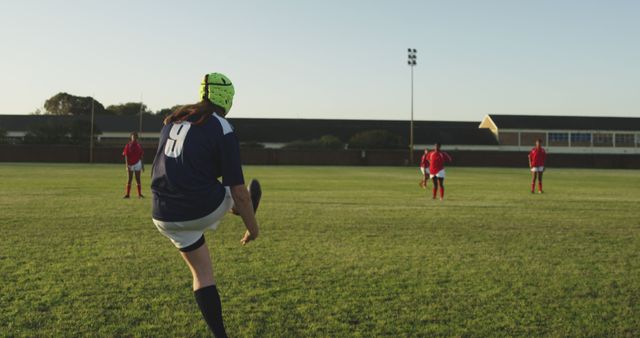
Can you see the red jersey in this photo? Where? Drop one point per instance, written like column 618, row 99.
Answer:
column 537, row 157
column 436, row 161
column 133, row 151
column 424, row 161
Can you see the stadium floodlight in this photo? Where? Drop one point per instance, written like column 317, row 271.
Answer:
column 91, row 130
column 412, row 61
column 141, row 111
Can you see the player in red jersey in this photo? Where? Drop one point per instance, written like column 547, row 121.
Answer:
column 436, row 160
column 537, row 156
column 424, row 169
column 133, row 153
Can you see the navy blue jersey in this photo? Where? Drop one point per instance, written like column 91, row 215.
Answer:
column 189, row 161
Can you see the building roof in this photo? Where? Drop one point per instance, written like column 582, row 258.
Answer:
column 106, row 123
column 425, row 132
column 110, row 123
column 284, row 130
column 565, row 122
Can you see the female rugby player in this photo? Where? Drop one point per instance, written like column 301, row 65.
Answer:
column 436, row 169
column 197, row 147
column 424, row 169
column 133, row 153
column 537, row 156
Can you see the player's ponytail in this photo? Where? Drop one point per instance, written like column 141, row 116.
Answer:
column 197, row 113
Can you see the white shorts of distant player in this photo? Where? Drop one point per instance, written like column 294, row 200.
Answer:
column 423, row 170
column 136, row 167
column 537, row 169
column 440, row 174
column 185, row 233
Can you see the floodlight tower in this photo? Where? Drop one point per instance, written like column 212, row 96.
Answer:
column 91, row 131
column 412, row 61
column 140, row 113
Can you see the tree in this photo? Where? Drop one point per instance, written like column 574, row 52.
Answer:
column 324, row 142
column 375, row 139
column 67, row 104
column 128, row 109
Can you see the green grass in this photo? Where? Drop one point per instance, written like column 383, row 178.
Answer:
column 344, row 251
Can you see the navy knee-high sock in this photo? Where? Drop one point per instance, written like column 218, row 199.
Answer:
column 208, row 301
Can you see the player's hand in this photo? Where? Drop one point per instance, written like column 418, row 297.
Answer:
column 248, row 237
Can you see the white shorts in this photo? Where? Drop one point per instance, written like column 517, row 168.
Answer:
column 440, row 174
column 423, row 170
column 136, row 167
column 537, row 169
column 186, row 233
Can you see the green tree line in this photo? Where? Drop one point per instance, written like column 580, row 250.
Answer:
column 68, row 104
column 77, row 132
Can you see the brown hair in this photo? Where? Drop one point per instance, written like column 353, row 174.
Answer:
column 197, row 113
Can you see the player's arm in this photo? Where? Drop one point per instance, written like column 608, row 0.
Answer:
column 529, row 160
column 244, row 208
column 124, row 154
column 233, row 178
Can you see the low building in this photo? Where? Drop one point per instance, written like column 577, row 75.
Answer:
column 110, row 129
column 275, row 133
column 560, row 134
column 566, row 134
column 271, row 133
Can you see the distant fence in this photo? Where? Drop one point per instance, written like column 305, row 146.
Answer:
column 68, row 153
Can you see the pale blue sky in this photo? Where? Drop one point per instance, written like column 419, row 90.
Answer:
column 329, row 59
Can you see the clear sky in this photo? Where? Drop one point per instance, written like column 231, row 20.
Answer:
column 330, row 58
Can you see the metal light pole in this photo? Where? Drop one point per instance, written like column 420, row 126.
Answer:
column 91, row 136
column 140, row 122
column 412, row 61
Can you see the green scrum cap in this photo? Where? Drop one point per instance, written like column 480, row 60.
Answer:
column 218, row 89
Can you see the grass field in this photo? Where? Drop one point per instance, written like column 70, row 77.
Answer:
column 344, row 251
